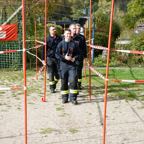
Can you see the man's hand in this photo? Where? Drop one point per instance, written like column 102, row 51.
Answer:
column 68, row 58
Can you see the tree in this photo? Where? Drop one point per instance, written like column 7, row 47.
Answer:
column 59, row 9
column 135, row 12
column 102, row 18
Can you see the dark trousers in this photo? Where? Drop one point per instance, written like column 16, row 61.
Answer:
column 79, row 73
column 68, row 81
column 52, row 70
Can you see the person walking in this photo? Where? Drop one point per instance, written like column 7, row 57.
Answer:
column 68, row 55
column 83, row 49
column 52, row 63
column 80, row 40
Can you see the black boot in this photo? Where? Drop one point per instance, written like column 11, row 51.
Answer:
column 64, row 99
column 74, row 102
column 73, row 99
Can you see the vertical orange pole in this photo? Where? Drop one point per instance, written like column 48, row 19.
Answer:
column 36, row 50
column 107, row 72
column 24, row 69
column 90, row 36
column 45, row 39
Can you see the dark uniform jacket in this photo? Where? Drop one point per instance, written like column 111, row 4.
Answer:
column 67, row 48
column 80, row 39
column 52, row 43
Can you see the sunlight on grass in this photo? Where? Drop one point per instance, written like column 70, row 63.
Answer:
column 121, row 90
column 128, row 91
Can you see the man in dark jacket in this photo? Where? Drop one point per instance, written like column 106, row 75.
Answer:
column 80, row 40
column 68, row 55
column 83, row 49
column 52, row 64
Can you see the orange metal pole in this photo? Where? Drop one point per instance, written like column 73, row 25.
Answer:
column 45, row 39
column 107, row 72
column 90, row 36
column 36, row 50
column 24, row 69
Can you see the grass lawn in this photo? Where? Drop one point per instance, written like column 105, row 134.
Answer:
column 115, row 90
column 119, row 90
column 10, row 79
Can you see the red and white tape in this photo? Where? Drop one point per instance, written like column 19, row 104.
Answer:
column 124, row 51
column 13, row 51
column 129, row 81
column 97, row 73
column 41, row 42
column 10, row 88
column 9, row 51
column 115, row 80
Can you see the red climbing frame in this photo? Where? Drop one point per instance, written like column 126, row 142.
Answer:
column 24, row 64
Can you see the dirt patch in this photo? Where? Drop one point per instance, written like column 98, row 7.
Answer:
column 52, row 122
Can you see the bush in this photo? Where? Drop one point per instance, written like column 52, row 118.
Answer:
column 137, row 42
column 102, row 29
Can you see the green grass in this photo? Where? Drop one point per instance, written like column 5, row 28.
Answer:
column 128, row 91
column 115, row 90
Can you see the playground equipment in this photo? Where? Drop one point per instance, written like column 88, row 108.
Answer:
column 11, row 60
column 22, row 50
column 106, row 78
column 39, row 43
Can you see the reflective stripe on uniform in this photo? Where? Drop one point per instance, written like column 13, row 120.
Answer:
column 52, row 82
column 79, row 80
column 64, row 92
column 73, row 91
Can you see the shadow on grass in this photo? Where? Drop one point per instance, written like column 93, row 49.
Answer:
column 128, row 91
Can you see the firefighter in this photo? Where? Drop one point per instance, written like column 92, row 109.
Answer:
column 52, row 64
column 83, row 49
column 80, row 40
column 68, row 55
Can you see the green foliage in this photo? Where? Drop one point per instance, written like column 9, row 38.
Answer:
column 139, row 22
column 81, row 7
column 137, row 42
column 102, row 29
column 59, row 9
column 101, row 39
column 134, row 13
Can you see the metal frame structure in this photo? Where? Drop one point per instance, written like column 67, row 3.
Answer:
column 24, row 69
column 24, row 63
column 107, row 65
column 89, row 53
column 107, row 72
column 106, row 78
